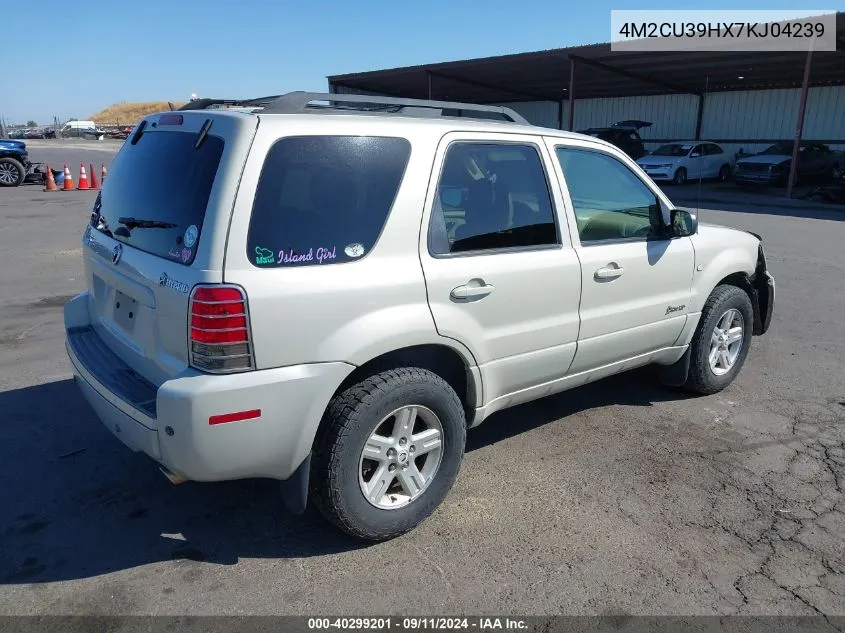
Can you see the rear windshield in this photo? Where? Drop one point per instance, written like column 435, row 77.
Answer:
column 163, row 182
column 324, row 199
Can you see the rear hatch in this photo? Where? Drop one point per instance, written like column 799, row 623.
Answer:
column 158, row 228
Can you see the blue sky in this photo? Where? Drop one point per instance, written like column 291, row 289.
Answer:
column 101, row 52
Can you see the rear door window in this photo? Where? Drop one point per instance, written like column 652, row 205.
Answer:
column 324, row 199
column 164, row 183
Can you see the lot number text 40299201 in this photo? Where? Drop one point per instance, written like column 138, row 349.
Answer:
column 417, row 624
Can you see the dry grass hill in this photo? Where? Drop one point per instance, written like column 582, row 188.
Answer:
column 124, row 113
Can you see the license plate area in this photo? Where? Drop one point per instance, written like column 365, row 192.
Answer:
column 124, row 311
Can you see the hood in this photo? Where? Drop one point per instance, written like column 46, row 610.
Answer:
column 765, row 159
column 716, row 230
column 9, row 144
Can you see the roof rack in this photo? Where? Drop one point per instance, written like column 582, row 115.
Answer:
column 206, row 104
column 301, row 102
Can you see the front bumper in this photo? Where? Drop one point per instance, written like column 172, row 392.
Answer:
column 171, row 422
column 758, row 177
column 763, row 285
column 660, row 173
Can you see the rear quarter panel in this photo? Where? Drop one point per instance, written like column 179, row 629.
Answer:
column 350, row 312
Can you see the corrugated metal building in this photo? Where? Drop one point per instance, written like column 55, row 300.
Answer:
column 748, row 120
column 745, row 101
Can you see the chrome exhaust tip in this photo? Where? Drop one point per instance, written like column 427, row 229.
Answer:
column 173, row 477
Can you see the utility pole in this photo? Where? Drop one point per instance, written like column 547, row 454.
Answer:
column 799, row 125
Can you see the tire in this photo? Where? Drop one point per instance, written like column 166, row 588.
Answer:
column 703, row 378
column 8, row 175
column 680, row 176
column 338, row 466
column 725, row 173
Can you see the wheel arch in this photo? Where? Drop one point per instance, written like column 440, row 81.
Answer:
column 746, row 283
column 444, row 360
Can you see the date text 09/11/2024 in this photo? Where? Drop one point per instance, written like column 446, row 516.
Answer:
column 417, row 624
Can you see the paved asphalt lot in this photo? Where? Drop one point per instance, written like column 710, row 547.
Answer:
column 618, row 498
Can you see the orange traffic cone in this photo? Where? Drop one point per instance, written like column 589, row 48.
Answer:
column 94, row 184
column 105, row 173
column 51, row 182
column 68, row 184
column 83, row 178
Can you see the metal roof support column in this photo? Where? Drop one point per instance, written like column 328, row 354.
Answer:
column 799, row 126
column 698, row 116
column 571, row 127
column 560, row 114
column 428, row 76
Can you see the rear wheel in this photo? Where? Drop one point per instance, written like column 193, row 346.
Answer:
column 725, row 173
column 389, row 451
column 721, row 341
column 680, row 176
column 12, row 172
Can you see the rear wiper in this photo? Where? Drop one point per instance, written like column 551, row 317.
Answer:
column 132, row 223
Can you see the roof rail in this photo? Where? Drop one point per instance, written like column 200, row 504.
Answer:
column 298, row 102
column 205, row 104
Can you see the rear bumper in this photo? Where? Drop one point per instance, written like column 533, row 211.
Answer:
column 175, row 429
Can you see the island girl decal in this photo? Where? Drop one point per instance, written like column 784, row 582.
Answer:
column 320, row 255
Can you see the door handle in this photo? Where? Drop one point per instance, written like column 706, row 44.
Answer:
column 607, row 272
column 472, row 292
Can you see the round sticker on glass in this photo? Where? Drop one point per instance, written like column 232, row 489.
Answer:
column 354, row 250
column 190, row 237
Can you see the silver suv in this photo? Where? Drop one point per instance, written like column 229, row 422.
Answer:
column 329, row 290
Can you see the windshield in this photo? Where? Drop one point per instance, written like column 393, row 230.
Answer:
column 779, row 148
column 672, row 149
column 157, row 192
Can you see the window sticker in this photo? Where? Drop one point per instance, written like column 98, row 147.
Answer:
column 264, row 256
column 322, row 254
column 186, row 255
column 175, row 252
column 354, row 250
column 190, row 237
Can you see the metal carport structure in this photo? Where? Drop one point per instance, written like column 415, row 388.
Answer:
column 565, row 75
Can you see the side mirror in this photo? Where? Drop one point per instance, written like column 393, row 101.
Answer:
column 665, row 218
column 684, row 223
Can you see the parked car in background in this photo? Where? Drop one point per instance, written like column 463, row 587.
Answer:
column 816, row 161
column 79, row 128
column 624, row 134
column 14, row 163
column 684, row 160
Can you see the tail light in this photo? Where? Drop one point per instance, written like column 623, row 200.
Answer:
column 219, row 332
